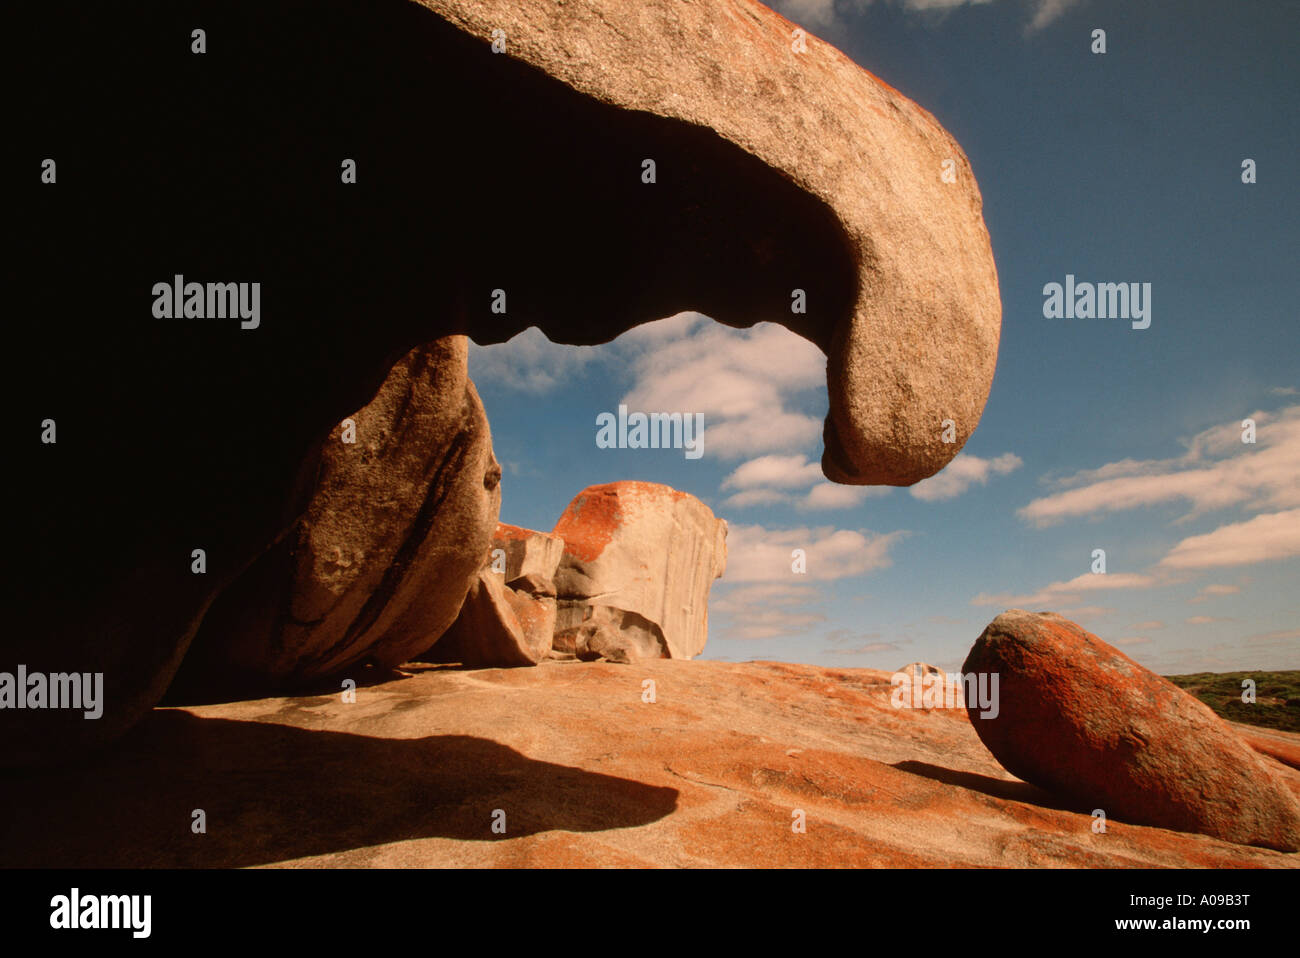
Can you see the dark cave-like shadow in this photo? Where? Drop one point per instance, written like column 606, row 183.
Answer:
column 996, row 787
column 276, row 792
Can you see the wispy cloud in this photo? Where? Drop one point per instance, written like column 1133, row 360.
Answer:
column 962, row 473
column 530, row 363
column 1281, row 637
column 774, row 471
column 1265, row 538
column 766, row 611
column 744, row 381
column 1217, row 471
column 1059, row 593
column 1214, row 591
column 756, row 554
column 827, row 13
column 868, row 649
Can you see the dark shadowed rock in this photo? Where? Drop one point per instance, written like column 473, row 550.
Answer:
column 1082, row 719
column 396, row 525
column 777, row 171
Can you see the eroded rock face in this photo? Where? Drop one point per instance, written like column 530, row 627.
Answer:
column 776, row 171
column 396, row 526
column 509, row 616
column 495, row 629
column 1082, row 719
column 918, row 342
column 529, row 558
column 641, row 556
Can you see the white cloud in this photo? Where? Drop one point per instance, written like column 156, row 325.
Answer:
column 756, row 554
column 1066, row 592
column 1285, row 391
column 1282, row 637
column 1150, row 626
column 1204, row 619
column 760, row 623
column 826, row 13
column 1265, row 538
column 1133, row 640
column 1210, row 591
column 829, row 495
column 742, row 380
column 765, row 611
column 869, row 649
column 755, row 497
column 778, row 471
column 529, row 363
column 770, row 480
column 1085, row 611
column 1258, row 475
column 1047, row 12
column 963, row 472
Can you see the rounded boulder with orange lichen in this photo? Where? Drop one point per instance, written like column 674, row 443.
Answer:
column 1082, row 719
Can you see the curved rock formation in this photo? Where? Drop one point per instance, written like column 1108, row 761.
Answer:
column 396, row 525
column 639, row 558
column 917, row 342
column 521, row 172
column 1082, row 719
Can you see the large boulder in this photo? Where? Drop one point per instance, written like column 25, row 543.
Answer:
column 917, row 339
column 1082, row 719
column 777, row 170
column 396, row 526
column 640, row 557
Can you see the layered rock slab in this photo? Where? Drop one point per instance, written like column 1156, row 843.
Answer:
column 1081, row 719
column 706, row 775
column 400, row 511
column 640, row 557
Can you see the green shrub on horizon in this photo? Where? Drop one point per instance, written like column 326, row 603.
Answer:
column 1221, row 691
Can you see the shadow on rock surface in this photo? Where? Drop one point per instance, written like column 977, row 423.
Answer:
column 272, row 793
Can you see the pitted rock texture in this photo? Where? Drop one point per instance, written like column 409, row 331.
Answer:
column 397, row 524
column 642, row 556
column 919, row 341
column 1083, row 720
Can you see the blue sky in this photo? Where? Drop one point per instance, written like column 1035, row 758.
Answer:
column 1122, row 167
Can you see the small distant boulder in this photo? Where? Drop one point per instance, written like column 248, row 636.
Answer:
column 1082, row 719
column 929, row 686
column 530, row 558
column 641, row 557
